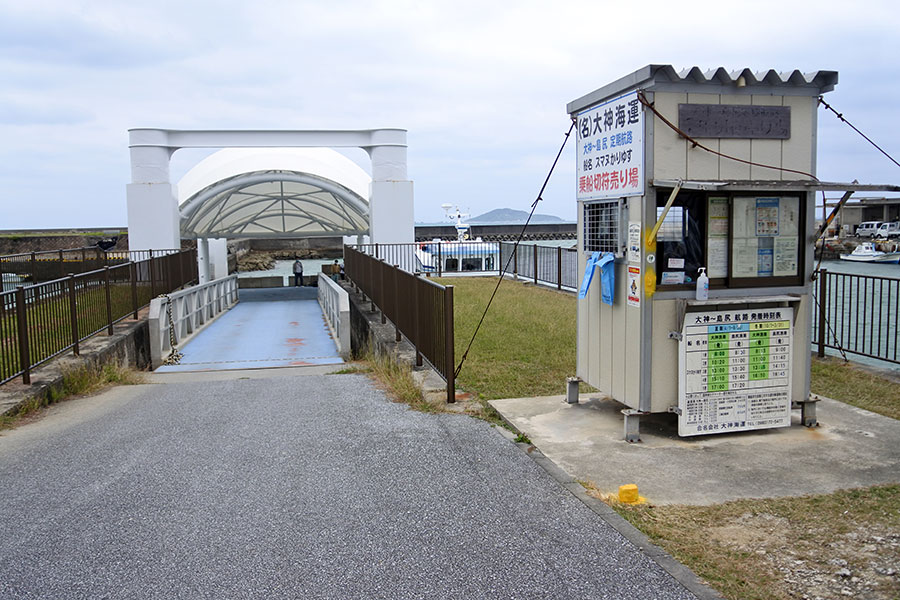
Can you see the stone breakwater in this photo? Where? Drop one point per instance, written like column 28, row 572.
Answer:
column 264, row 261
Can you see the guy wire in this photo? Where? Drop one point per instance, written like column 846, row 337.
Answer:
column 515, row 248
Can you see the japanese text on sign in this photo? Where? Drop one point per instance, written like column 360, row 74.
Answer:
column 735, row 371
column 610, row 154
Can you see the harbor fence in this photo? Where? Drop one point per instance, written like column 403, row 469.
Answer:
column 438, row 258
column 554, row 266
column 857, row 314
column 30, row 268
column 420, row 310
column 41, row 321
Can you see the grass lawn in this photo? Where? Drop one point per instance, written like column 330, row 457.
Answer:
column 828, row 546
column 526, row 345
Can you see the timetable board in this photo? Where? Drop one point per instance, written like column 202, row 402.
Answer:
column 735, row 370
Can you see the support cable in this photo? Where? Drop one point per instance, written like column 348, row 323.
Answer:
column 865, row 137
column 515, row 249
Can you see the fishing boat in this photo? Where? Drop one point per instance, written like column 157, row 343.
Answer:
column 460, row 255
column 867, row 252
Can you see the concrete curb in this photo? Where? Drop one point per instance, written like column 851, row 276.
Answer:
column 129, row 345
column 681, row 573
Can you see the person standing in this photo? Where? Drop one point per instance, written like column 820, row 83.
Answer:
column 298, row 273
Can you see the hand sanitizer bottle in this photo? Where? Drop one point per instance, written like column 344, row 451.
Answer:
column 702, row 285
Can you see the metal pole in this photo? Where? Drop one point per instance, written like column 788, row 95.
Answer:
column 34, row 278
column 109, row 319
column 62, row 272
column 381, row 268
column 152, row 278
column 134, row 300
column 559, row 267
column 535, row 263
column 417, row 340
column 440, row 260
column 449, row 362
column 73, row 310
column 823, row 306
column 396, row 303
column 22, row 326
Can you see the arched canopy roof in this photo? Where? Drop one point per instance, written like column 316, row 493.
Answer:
column 274, row 192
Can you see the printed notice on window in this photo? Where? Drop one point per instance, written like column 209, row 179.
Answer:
column 717, row 238
column 765, row 242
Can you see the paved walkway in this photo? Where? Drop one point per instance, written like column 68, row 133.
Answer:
column 271, row 327
column 850, row 448
column 292, row 486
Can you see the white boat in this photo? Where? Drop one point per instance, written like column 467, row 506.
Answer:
column 461, row 255
column 867, row 252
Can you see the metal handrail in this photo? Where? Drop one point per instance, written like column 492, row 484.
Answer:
column 857, row 314
column 420, row 310
column 41, row 321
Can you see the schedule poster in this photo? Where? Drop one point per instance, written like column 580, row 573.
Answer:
column 735, row 370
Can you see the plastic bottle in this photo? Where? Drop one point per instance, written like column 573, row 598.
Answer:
column 702, row 285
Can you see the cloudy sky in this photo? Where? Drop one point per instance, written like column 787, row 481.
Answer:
column 481, row 86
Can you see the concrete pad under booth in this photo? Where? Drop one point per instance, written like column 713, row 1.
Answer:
column 850, row 448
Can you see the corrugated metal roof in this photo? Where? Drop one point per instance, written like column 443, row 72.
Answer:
column 740, row 81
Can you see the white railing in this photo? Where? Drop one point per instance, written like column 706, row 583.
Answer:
column 335, row 305
column 184, row 313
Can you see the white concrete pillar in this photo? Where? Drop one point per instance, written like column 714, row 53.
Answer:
column 203, row 260
column 218, row 258
column 391, row 215
column 153, row 219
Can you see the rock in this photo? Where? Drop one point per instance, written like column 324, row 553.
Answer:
column 844, row 573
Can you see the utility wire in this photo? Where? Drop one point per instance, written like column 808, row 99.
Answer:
column 841, row 117
column 515, row 248
column 697, row 144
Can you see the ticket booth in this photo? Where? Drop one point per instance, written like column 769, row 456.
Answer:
column 678, row 171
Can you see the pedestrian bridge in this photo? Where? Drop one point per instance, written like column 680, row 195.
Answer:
column 269, row 327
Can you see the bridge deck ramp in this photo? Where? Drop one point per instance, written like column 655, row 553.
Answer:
column 272, row 327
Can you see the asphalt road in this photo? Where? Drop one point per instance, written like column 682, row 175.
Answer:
column 293, row 487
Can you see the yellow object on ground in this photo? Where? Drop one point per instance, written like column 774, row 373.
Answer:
column 628, row 494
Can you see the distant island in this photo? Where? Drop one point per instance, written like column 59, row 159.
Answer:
column 509, row 216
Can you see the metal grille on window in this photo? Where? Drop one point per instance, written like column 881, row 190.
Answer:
column 602, row 228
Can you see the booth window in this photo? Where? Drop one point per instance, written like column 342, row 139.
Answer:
column 743, row 240
column 602, row 227
column 680, row 240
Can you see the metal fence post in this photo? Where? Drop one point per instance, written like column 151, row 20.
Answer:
column 416, row 333
column 22, row 326
column 134, row 301
column 381, row 270
column 152, row 278
column 73, row 309
column 396, row 303
column 449, row 362
column 440, row 261
column 559, row 267
column 34, row 277
column 62, row 271
column 535, row 263
column 823, row 307
column 109, row 318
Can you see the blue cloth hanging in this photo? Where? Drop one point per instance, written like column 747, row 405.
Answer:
column 588, row 274
column 606, row 262
column 607, row 266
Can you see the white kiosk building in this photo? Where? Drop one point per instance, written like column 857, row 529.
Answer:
column 682, row 170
